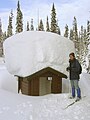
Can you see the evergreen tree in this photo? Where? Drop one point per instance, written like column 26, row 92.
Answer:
column 81, row 45
column 58, row 29
column 1, row 31
column 75, row 30
column 88, row 31
column 19, row 19
column 87, row 35
column 47, row 25
column 66, row 31
column 88, row 43
column 28, row 26
column 53, row 20
column 88, row 26
column 41, row 26
column 4, row 35
column 32, row 26
column 10, row 27
column 1, row 39
column 85, row 44
column 71, row 34
column 75, row 37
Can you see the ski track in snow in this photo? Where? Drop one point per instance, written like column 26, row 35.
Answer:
column 48, row 107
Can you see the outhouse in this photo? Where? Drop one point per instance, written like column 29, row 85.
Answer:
column 45, row 81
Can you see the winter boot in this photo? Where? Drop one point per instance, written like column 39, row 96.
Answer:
column 71, row 97
column 78, row 98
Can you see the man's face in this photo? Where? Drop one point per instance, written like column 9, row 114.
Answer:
column 71, row 57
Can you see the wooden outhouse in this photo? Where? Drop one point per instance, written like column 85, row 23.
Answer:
column 45, row 81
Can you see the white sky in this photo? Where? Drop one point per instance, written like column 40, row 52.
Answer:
column 66, row 10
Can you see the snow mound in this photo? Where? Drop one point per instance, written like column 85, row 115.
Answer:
column 31, row 51
column 7, row 81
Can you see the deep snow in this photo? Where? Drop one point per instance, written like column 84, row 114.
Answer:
column 7, row 81
column 49, row 107
column 31, row 51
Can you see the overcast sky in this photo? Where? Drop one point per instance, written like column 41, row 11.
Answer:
column 65, row 9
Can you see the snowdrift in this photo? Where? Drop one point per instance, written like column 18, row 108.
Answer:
column 29, row 52
column 7, row 81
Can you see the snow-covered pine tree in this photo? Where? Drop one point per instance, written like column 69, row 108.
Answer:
column 1, row 33
column 47, row 25
column 88, row 31
column 75, row 37
column 53, row 20
column 75, row 30
column 88, row 45
column 19, row 19
column 81, row 45
column 88, row 26
column 10, row 27
column 85, row 47
column 32, row 26
column 28, row 26
column 4, row 35
column 41, row 26
column 1, row 40
column 66, row 31
column 71, row 35
column 58, row 29
column 85, row 42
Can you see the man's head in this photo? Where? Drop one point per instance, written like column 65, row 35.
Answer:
column 72, row 56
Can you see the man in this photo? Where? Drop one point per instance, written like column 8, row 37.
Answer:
column 74, row 71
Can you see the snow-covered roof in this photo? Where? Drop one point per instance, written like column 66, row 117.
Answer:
column 50, row 70
column 31, row 51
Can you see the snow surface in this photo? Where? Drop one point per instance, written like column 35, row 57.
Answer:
column 8, row 81
column 31, row 51
column 49, row 107
column 15, row 106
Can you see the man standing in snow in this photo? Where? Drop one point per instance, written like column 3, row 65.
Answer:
column 74, row 71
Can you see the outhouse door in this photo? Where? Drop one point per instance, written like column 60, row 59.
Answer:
column 56, row 86
column 44, row 86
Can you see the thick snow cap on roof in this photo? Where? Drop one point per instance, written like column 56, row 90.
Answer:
column 29, row 52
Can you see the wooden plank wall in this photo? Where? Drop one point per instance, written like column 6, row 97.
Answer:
column 56, row 85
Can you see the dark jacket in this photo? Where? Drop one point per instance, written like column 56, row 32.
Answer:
column 74, row 68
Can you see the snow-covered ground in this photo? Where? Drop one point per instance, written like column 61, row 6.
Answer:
column 49, row 107
column 15, row 106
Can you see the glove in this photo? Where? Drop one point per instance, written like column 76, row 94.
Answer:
column 68, row 68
